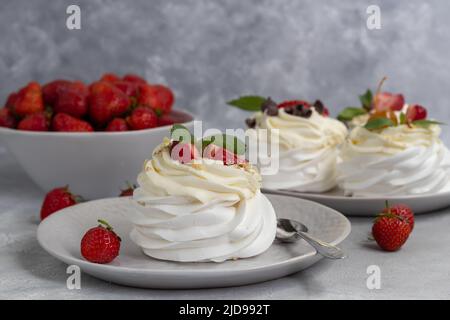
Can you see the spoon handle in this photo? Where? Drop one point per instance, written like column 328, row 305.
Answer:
column 323, row 248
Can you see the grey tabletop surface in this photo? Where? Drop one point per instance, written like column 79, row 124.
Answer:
column 421, row 269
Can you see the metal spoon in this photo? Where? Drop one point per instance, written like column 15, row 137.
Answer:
column 290, row 231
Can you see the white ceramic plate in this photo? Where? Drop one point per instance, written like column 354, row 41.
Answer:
column 60, row 235
column 370, row 206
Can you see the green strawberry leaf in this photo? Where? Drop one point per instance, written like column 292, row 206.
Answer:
column 378, row 123
column 366, row 100
column 426, row 123
column 248, row 103
column 231, row 143
column 350, row 112
column 178, row 132
column 403, row 119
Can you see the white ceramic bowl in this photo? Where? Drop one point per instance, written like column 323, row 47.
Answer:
column 94, row 165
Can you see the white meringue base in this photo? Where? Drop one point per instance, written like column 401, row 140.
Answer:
column 179, row 229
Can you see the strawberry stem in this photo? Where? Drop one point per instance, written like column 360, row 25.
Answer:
column 378, row 90
column 104, row 223
column 387, row 207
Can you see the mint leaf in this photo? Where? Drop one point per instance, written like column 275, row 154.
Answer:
column 231, row 143
column 350, row 112
column 403, row 118
column 378, row 123
column 426, row 123
column 248, row 103
column 178, row 132
column 366, row 100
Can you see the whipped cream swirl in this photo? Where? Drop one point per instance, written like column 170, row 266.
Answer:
column 398, row 160
column 200, row 211
column 308, row 150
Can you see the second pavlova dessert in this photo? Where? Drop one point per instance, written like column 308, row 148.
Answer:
column 393, row 149
column 307, row 137
column 201, row 201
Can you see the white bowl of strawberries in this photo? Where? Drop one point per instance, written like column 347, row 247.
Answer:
column 93, row 138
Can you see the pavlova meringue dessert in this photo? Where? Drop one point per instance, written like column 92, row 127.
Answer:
column 396, row 151
column 196, row 209
column 308, row 143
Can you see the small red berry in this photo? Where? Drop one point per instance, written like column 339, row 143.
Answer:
column 29, row 100
column 416, row 112
column 67, row 123
column 388, row 101
column 402, row 210
column 293, row 103
column 72, row 99
column 57, row 199
column 7, row 119
column 134, row 79
column 50, row 91
column 142, row 118
column 157, row 97
column 183, row 152
column 100, row 244
column 117, row 124
column 215, row 152
column 109, row 77
column 34, row 122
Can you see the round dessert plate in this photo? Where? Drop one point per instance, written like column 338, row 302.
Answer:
column 370, row 206
column 60, row 235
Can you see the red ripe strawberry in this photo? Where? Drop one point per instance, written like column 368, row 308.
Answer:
column 215, row 152
column 100, row 244
column 109, row 77
column 51, row 89
column 157, row 97
column 29, row 100
column 390, row 231
column 107, row 102
column 7, row 118
column 117, row 124
column 67, row 123
column 128, row 192
column 129, row 88
column 385, row 101
column 72, row 99
column 173, row 117
column 142, row 118
column 294, row 103
column 402, row 210
column 416, row 112
column 57, row 199
column 134, row 79
column 34, row 122
column 11, row 100
column 183, row 152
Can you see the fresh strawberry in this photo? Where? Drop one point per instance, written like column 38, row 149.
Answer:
column 215, row 152
column 110, row 77
column 67, row 123
column 34, row 122
column 100, row 244
column 142, row 118
column 390, row 231
column 129, row 88
column 7, row 118
column 173, row 117
column 51, row 89
column 117, row 124
column 72, row 99
column 183, row 152
column 416, row 112
column 57, row 199
column 29, row 100
column 385, row 101
column 401, row 210
column 107, row 102
column 294, row 103
column 11, row 100
column 134, row 79
column 128, row 192
column 157, row 97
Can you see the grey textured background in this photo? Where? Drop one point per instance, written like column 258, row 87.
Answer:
column 211, row 51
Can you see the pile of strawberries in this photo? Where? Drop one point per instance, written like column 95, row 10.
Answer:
column 112, row 103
